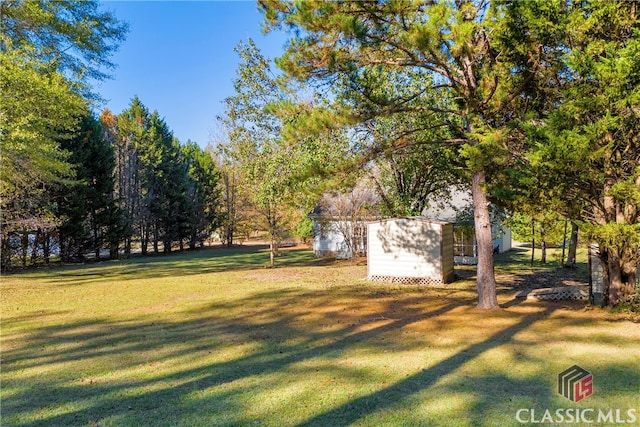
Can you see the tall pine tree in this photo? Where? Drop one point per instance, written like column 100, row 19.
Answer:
column 389, row 58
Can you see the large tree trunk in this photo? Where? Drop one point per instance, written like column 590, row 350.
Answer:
column 486, row 281
column 620, row 275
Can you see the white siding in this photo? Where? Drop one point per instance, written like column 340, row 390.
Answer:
column 411, row 248
column 506, row 244
column 329, row 240
column 501, row 240
column 458, row 208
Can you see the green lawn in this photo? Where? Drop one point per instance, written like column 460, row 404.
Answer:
column 213, row 338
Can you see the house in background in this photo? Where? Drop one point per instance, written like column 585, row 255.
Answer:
column 339, row 232
column 329, row 238
column 340, row 221
column 338, row 237
column 459, row 211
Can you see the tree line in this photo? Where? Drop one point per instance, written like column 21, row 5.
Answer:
column 131, row 185
column 72, row 183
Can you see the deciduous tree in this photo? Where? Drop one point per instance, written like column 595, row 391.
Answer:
column 49, row 51
column 75, row 38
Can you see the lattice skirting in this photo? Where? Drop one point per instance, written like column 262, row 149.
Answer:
column 555, row 294
column 424, row 281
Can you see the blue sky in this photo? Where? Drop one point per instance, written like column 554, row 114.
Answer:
column 179, row 60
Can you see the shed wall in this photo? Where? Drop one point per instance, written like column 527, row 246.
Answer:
column 410, row 248
column 447, row 253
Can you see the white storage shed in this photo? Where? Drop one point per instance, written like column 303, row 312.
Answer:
column 410, row 250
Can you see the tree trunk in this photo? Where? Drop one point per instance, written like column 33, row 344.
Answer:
column 156, row 248
column 486, row 281
column 573, row 246
column 5, row 258
column 34, row 248
column 127, row 247
column 620, row 277
column 272, row 253
column 564, row 242
column 24, row 247
column 543, row 246
column 97, row 243
column 533, row 240
column 62, row 245
column 114, row 249
column 46, row 247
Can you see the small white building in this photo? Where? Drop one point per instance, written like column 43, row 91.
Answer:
column 410, row 250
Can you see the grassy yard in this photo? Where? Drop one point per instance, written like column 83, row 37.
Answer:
column 213, row 338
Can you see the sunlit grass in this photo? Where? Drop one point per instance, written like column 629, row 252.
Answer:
column 214, row 338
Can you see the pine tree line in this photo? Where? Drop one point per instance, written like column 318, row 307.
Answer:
column 134, row 187
column 167, row 192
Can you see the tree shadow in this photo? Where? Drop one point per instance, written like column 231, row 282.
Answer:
column 387, row 397
column 516, row 271
column 293, row 333
column 269, row 324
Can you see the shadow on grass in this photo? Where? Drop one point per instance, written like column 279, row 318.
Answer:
column 270, row 327
column 516, row 263
column 285, row 332
column 388, row 397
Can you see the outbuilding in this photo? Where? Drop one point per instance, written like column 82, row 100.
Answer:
column 410, row 250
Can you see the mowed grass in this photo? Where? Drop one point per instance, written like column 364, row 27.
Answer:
column 213, row 338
